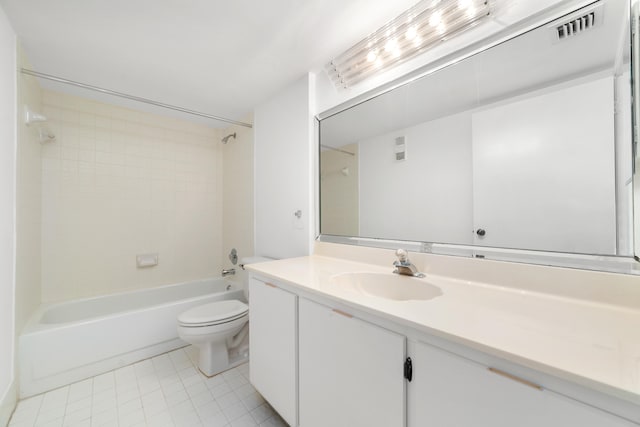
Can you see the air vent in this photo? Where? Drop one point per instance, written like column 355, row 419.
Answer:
column 577, row 24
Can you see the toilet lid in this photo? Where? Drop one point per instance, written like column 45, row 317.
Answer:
column 214, row 312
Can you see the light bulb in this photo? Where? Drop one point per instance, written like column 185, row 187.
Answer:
column 406, row 36
column 435, row 19
column 391, row 45
column 411, row 33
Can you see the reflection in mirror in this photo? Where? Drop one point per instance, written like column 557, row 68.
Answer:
column 526, row 145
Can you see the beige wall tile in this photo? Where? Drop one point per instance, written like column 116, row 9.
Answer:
column 121, row 183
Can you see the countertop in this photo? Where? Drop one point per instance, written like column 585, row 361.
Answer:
column 593, row 344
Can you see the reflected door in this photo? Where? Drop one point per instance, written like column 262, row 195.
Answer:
column 544, row 171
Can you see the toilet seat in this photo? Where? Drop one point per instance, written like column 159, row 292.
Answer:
column 215, row 313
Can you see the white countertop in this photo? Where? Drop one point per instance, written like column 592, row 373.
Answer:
column 593, row 344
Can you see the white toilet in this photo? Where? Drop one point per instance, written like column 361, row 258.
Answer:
column 214, row 328
column 220, row 328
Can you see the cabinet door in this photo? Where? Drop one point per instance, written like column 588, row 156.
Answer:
column 351, row 372
column 450, row 391
column 273, row 345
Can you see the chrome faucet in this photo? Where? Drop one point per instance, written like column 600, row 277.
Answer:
column 403, row 265
column 229, row 272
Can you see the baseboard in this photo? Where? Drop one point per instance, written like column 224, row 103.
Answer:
column 8, row 404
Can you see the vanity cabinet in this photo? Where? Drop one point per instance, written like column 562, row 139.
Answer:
column 449, row 390
column 323, row 365
column 350, row 372
column 273, row 343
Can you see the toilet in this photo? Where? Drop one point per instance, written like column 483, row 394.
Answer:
column 214, row 328
column 218, row 329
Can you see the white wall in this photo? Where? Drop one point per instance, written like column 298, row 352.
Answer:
column 285, row 172
column 427, row 197
column 117, row 183
column 28, row 201
column 8, row 66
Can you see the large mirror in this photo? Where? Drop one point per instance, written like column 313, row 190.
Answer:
column 526, row 145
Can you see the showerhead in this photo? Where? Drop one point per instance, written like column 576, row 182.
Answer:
column 226, row 138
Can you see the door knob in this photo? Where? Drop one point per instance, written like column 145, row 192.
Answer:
column 481, row 232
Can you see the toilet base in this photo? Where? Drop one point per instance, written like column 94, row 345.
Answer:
column 213, row 358
column 234, row 361
column 216, row 357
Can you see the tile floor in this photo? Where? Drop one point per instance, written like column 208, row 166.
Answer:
column 167, row 390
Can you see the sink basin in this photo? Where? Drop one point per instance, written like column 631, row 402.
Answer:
column 388, row 286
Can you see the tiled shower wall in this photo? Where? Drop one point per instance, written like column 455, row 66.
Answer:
column 237, row 230
column 117, row 183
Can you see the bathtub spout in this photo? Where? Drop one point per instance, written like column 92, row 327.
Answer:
column 228, row 272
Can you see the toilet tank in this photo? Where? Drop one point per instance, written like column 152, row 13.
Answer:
column 243, row 275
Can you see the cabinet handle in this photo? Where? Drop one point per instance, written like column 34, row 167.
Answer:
column 514, row 378
column 342, row 313
column 408, row 369
column 270, row 284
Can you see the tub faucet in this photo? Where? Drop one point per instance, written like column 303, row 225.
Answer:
column 229, row 272
column 404, row 266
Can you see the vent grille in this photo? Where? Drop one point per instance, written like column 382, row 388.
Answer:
column 576, row 26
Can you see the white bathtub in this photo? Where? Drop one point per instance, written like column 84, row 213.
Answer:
column 71, row 341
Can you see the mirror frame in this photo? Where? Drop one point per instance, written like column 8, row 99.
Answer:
column 606, row 263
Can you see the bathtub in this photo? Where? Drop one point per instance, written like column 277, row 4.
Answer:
column 70, row 341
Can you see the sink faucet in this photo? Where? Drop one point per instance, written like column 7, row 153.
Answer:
column 404, row 266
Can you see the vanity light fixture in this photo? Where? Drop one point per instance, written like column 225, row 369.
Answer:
column 426, row 23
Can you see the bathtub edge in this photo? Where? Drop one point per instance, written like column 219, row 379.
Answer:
column 34, row 324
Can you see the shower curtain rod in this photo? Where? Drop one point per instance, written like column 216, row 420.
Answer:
column 131, row 97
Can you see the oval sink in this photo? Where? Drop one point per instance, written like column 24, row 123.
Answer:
column 389, row 286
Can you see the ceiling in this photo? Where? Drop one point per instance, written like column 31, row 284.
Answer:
column 218, row 57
